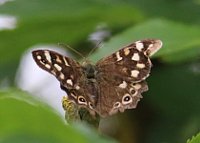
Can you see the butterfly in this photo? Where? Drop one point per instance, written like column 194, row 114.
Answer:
column 115, row 83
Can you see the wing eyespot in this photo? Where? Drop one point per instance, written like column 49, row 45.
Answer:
column 82, row 100
column 91, row 105
column 116, row 105
column 132, row 91
column 126, row 99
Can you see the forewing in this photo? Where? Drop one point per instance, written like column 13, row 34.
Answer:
column 70, row 74
column 132, row 62
column 122, row 76
column 65, row 69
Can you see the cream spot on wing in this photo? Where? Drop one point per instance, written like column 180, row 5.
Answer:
column 123, row 85
column 90, row 105
column 139, row 45
column 69, row 81
column 47, row 66
column 119, row 58
column 62, row 76
column 77, row 87
column 140, row 65
column 47, row 55
column 59, row 68
column 71, row 76
column 66, row 63
column 135, row 57
column 58, row 59
column 39, row 57
column 73, row 95
column 137, row 86
column 150, row 46
column 134, row 73
column 126, row 51
column 153, row 48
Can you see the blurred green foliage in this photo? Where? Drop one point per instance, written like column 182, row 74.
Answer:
column 24, row 119
column 195, row 139
column 169, row 111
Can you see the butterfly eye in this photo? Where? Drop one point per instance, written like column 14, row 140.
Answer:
column 82, row 100
column 126, row 99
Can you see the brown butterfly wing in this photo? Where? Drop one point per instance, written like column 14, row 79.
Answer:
column 70, row 74
column 65, row 69
column 118, row 81
column 121, row 76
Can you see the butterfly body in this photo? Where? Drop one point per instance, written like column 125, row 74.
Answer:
column 89, row 70
column 113, row 84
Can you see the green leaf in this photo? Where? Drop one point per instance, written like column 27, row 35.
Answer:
column 25, row 119
column 180, row 42
column 195, row 139
column 42, row 22
column 174, row 100
column 47, row 22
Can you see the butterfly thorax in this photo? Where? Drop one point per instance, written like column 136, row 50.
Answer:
column 89, row 70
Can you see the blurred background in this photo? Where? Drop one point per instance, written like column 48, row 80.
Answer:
column 30, row 99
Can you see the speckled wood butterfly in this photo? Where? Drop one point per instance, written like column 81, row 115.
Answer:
column 114, row 84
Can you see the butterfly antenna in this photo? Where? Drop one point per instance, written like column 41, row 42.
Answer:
column 97, row 45
column 75, row 51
